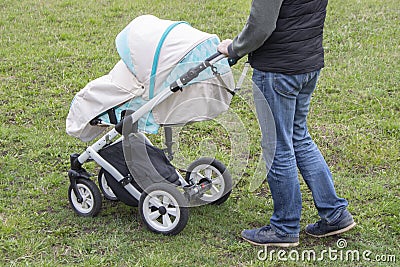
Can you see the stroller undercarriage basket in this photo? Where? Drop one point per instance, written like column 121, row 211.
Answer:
column 147, row 165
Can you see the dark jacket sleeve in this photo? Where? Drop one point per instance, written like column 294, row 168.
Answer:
column 259, row 26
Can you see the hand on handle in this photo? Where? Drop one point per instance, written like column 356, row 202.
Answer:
column 223, row 46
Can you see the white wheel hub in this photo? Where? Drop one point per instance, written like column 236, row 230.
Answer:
column 87, row 199
column 161, row 210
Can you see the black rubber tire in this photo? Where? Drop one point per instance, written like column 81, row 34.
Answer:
column 105, row 188
column 92, row 202
column 220, row 167
column 180, row 208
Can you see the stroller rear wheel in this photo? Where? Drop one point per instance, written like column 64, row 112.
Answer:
column 209, row 169
column 164, row 209
column 91, row 198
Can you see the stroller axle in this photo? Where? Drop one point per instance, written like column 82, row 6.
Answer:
column 196, row 191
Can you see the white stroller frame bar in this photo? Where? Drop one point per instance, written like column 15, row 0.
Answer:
column 92, row 151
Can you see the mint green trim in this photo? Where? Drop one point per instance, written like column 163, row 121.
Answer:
column 157, row 55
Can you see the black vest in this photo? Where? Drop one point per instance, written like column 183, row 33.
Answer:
column 295, row 46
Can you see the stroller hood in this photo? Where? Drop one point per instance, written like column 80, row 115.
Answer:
column 154, row 53
column 150, row 47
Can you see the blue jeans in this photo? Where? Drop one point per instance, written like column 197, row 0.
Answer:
column 282, row 104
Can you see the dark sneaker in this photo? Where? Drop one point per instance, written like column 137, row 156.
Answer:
column 265, row 236
column 321, row 228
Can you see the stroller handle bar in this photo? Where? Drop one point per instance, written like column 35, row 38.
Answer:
column 214, row 56
column 218, row 56
column 195, row 71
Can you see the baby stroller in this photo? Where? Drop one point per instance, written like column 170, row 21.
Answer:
column 162, row 79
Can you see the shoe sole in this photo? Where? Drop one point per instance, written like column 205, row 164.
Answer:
column 335, row 232
column 283, row 245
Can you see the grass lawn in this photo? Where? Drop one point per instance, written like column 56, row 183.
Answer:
column 52, row 49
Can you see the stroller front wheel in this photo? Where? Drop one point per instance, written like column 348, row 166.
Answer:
column 164, row 209
column 91, row 198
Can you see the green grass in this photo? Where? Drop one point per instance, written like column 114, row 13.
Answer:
column 51, row 49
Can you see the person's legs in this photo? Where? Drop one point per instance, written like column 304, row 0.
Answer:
column 335, row 218
column 285, row 100
column 275, row 112
column 310, row 161
column 280, row 93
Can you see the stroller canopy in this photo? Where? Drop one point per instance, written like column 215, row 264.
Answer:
column 150, row 47
column 154, row 53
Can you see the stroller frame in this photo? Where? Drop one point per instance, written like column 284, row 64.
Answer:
column 82, row 187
